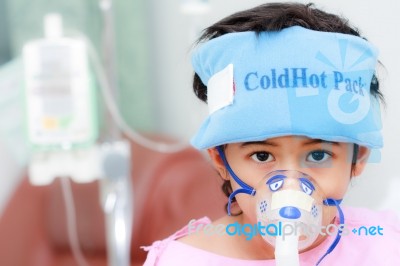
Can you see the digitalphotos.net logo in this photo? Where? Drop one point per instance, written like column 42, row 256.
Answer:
column 281, row 229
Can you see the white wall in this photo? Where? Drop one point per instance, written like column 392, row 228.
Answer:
column 180, row 113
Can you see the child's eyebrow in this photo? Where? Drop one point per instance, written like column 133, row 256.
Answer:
column 265, row 142
column 320, row 141
column 271, row 143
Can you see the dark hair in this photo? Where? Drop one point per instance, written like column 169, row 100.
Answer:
column 275, row 17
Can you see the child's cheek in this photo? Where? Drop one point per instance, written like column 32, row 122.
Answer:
column 247, row 205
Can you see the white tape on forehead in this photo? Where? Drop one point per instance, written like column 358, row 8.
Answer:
column 291, row 198
column 220, row 89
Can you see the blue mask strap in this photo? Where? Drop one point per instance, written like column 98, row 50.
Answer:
column 333, row 202
column 245, row 188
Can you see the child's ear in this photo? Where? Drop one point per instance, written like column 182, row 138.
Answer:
column 362, row 159
column 218, row 163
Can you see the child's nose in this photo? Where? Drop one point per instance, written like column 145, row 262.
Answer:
column 290, row 162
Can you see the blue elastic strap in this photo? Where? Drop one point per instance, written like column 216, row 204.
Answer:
column 333, row 202
column 245, row 188
column 233, row 194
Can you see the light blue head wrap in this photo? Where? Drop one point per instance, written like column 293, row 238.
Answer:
column 292, row 82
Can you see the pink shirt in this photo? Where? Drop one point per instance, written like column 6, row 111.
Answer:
column 353, row 249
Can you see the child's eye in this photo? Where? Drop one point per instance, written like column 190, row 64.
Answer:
column 318, row 156
column 262, row 157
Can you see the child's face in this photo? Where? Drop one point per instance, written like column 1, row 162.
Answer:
column 328, row 163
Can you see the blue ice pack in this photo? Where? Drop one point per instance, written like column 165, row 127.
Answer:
column 291, row 82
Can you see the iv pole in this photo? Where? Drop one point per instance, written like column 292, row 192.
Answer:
column 109, row 64
column 116, row 186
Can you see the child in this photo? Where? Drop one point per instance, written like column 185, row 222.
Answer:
column 294, row 115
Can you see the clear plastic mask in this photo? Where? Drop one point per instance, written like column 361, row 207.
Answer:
column 289, row 204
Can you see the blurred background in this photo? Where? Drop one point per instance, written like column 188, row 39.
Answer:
column 152, row 44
